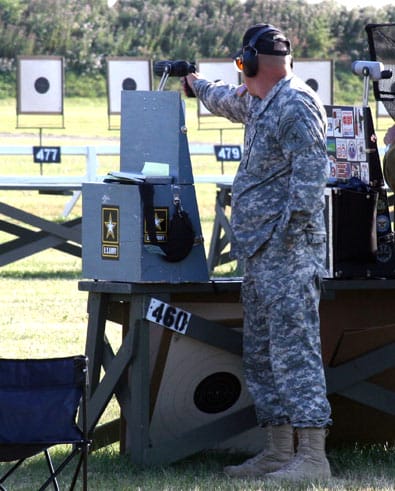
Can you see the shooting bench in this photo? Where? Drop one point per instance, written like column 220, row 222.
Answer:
column 153, row 387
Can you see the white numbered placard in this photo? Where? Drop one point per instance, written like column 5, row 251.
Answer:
column 168, row 316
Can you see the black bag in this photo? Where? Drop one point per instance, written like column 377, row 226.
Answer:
column 181, row 235
column 355, row 217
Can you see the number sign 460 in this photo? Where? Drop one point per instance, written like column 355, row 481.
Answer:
column 168, row 316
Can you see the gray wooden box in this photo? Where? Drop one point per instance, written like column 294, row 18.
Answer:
column 153, row 130
column 113, row 235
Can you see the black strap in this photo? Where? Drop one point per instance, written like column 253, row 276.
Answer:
column 147, row 197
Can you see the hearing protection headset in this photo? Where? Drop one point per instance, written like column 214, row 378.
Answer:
column 250, row 53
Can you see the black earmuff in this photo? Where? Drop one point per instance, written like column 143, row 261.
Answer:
column 250, row 53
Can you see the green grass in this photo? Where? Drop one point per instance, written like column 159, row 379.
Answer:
column 86, row 121
column 44, row 313
column 367, row 468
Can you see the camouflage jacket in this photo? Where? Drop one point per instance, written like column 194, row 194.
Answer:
column 282, row 175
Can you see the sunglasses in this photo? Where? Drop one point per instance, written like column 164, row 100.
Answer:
column 238, row 63
column 238, row 60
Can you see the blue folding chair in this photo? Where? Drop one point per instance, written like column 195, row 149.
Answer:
column 40, row 401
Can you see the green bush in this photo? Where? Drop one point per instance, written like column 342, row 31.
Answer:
column 348, row 87
column 7, row 85
column 85, row 85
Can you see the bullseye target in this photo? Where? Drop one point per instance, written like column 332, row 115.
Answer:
column 318, row 74
column 200, row 384
column 217, row 69
column 125, row 73
column 40, row 85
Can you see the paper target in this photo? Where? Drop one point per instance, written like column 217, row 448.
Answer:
column 200, row 384
column 381, row 110
column 217, row 69
column 318, row 74
column 125, row 74
column 40, row 85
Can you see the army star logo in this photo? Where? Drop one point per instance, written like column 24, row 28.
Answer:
column 158, row 222
column 110, row 233
column 110, row 225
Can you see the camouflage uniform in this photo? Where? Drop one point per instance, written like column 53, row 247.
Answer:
column 279, row 232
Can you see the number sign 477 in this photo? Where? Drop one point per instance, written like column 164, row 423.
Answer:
column 168, row 316
column 46, row 155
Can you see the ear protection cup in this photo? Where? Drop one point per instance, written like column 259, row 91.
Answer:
column 250, row 53
column 250, row 62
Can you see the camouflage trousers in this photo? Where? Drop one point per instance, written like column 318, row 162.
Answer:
column 281, row 337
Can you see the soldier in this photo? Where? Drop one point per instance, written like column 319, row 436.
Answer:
column 279, row 234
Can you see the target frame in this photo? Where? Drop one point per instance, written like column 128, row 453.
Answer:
column 116, row 69
column 321, row 72
column 216, row 69
column 40, row 85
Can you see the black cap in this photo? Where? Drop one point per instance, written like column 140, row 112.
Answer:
column 266, row 39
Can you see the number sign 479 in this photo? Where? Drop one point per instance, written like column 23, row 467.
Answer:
column 168, row 316
column 227, row 152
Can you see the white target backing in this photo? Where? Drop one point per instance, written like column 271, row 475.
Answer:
column 381, row 110
column 40, row 85
column 318, row 74
column 217, row 69
column 125, row 73
column 200, row 384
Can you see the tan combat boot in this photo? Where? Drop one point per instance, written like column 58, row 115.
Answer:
column 310, row 461
column 278, row 450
